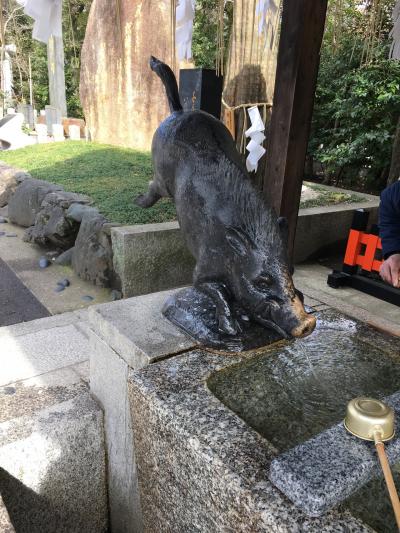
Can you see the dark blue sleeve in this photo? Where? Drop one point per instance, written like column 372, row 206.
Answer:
column 389, row 219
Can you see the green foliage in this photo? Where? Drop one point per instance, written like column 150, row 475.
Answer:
column 205, row 25
column 75, row 15
column 112, row 176
column 19, row 31
column 40, row 79
column 356, row 107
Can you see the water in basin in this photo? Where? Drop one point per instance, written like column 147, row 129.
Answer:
column 293, row 391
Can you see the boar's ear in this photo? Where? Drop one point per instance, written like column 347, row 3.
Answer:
column 284, row 228
column 238, row 240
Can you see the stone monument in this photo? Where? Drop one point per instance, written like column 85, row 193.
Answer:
column 123, row 103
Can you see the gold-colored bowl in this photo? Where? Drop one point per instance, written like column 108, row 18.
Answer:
column 366, row 416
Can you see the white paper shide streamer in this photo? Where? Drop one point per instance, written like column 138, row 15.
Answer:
column 184, row 28
column 47, row 15
column 257, row 137
column 395, row 33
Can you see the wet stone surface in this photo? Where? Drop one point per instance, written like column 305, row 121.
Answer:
column 324, row 471
column 372, row 505
column 299, row 391
column 214, row 468
column 294, row 392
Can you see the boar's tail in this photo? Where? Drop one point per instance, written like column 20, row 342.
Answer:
column 168, row 78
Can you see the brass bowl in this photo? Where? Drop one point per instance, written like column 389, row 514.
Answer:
column 366, row 416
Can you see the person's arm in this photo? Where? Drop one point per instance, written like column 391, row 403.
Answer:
column 389, row 230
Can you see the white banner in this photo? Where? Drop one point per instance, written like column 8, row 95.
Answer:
column 47, row 15
column 184, row 28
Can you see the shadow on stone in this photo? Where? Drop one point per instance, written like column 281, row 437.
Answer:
column 28, row 511
column 52, row 478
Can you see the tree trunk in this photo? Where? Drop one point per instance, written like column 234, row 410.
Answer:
column 394, row 172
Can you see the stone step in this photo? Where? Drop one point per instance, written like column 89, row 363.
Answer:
column 52, row 454
column 52, row 468
column 41, row 346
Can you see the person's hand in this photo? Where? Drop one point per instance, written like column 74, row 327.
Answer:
column 390, row 270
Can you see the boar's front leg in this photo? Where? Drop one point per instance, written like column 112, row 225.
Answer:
column 150, row 197
column 218, row 293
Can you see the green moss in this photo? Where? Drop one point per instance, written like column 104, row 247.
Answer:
column 112, row 176
column 329, row 197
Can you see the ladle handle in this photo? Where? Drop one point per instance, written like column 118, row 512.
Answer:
column 394, row 497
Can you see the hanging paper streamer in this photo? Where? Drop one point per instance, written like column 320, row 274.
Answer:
column 47, row 15
column 265, row 13
column 184, row 28
column 257, row 137
column 395, row 33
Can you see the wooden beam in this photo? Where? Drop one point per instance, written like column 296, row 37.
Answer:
column 302, row 30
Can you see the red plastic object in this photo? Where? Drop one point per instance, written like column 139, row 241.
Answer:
column 366, row 261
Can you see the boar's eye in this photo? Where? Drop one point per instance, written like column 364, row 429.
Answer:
column 264, row 282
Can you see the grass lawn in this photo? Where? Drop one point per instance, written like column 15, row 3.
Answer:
column 112, row 176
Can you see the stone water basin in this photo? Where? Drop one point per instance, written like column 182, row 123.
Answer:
column 208, row 426
column 291, row 393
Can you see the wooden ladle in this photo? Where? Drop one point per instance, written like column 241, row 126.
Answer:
column 373, row 420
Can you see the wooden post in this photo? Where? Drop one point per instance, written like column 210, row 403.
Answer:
column 302, row 30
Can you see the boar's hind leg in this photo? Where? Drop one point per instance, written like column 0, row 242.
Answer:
column 150, row 197
column 219, row 295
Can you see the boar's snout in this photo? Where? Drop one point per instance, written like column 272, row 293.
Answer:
column 306, row 326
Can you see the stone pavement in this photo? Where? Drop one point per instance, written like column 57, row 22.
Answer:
column 311, row 279
column 52, row 453
column 23, row 259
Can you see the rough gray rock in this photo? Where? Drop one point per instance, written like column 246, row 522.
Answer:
column 52, row 225
column 65, row 258
column 10, row 178
column 116, row 295
column 92, row 258
column 77, row 211
column 27, row 200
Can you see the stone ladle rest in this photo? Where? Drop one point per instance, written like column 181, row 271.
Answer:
column 324, row 471
column 372, row 420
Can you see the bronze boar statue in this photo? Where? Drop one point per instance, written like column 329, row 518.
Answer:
column 243, row 293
